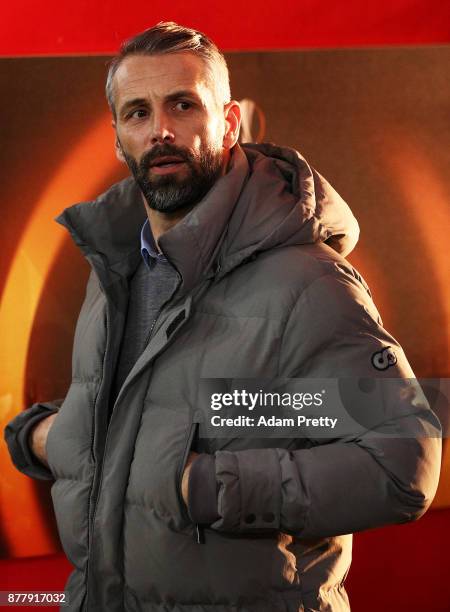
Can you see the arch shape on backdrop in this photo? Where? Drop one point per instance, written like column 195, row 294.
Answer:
column 39, row 244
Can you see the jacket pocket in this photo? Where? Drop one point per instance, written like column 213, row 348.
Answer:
column 191, row 439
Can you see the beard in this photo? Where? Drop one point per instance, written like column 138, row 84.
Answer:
column 168, row 193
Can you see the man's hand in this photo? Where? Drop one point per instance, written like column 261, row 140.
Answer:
column 38, row 438
column 185, row 479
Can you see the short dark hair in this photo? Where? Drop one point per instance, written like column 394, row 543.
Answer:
column 169, row 37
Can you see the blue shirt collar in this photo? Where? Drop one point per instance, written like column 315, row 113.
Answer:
column 148, row 246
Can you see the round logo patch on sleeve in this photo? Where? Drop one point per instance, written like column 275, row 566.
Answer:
column 382, row 360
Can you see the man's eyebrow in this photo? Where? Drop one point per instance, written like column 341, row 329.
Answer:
column 131, row 103
column 182, row 93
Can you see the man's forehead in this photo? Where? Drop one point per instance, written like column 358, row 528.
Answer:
column 157, row 74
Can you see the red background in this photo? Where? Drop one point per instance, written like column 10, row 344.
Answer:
column 58, row 26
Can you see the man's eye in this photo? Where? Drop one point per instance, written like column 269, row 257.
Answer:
column 138, row 113
column 183, row 106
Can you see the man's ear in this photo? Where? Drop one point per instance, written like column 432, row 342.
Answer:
column 232, row 112
column 119, row 152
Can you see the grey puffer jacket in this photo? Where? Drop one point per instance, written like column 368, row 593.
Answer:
column 264, row 292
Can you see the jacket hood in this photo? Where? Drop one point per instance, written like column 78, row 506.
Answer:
column 282, row 201
column 286, row 202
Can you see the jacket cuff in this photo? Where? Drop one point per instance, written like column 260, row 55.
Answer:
column 250, row 484
column 16, row 436
column 202, row 491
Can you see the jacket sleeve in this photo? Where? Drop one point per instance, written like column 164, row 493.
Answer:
column 362, row 480
column 16, row 437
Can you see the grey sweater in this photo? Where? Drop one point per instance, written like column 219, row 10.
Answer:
column 150, row 287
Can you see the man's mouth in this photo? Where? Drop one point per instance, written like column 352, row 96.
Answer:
column 163, row 165
column 166, row 162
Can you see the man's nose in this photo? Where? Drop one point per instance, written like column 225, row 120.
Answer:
column 162, row 130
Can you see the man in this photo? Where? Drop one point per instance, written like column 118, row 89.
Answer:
column 217, row 261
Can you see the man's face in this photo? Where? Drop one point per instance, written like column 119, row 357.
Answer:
column 170, row 128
